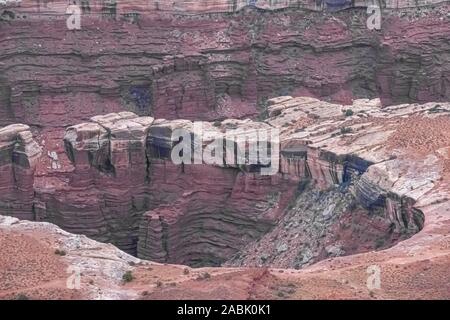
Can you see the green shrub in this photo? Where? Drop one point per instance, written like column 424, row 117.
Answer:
column 348, row 112
column 127, row 276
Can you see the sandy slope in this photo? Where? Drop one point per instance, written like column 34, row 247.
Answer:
column 414, row 269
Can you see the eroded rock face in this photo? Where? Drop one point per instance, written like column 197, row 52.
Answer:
column 398, row 184
column 321, row 224
column 102, row 194
column 19, row 154
column 33, row 267
column 206, row 214
column 356, row 151
column 204, row 67
column 119, row 184
column 113, row 144
column 111, row 177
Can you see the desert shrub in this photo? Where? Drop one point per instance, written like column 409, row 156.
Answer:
column 345, row 130
column 22, row 296
column 379, row 243
column 348, row 112
column 127, row 276
column 60, row 252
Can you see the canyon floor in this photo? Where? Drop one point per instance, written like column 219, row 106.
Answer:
column 407, row 271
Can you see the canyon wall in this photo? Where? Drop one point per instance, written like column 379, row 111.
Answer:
column 19, row 154
column 110, row 177
column 357, row 189
column 121, row 186
column 212, row 66
column 186, row 7
column 119, row 183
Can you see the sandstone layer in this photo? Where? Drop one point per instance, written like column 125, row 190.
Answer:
column 117, row 183
column 212, row 66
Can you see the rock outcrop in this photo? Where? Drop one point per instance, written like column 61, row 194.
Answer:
column 120, row 183
column 41, row 261
column 19, row 154
column 355, row 149
column 370, row 175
